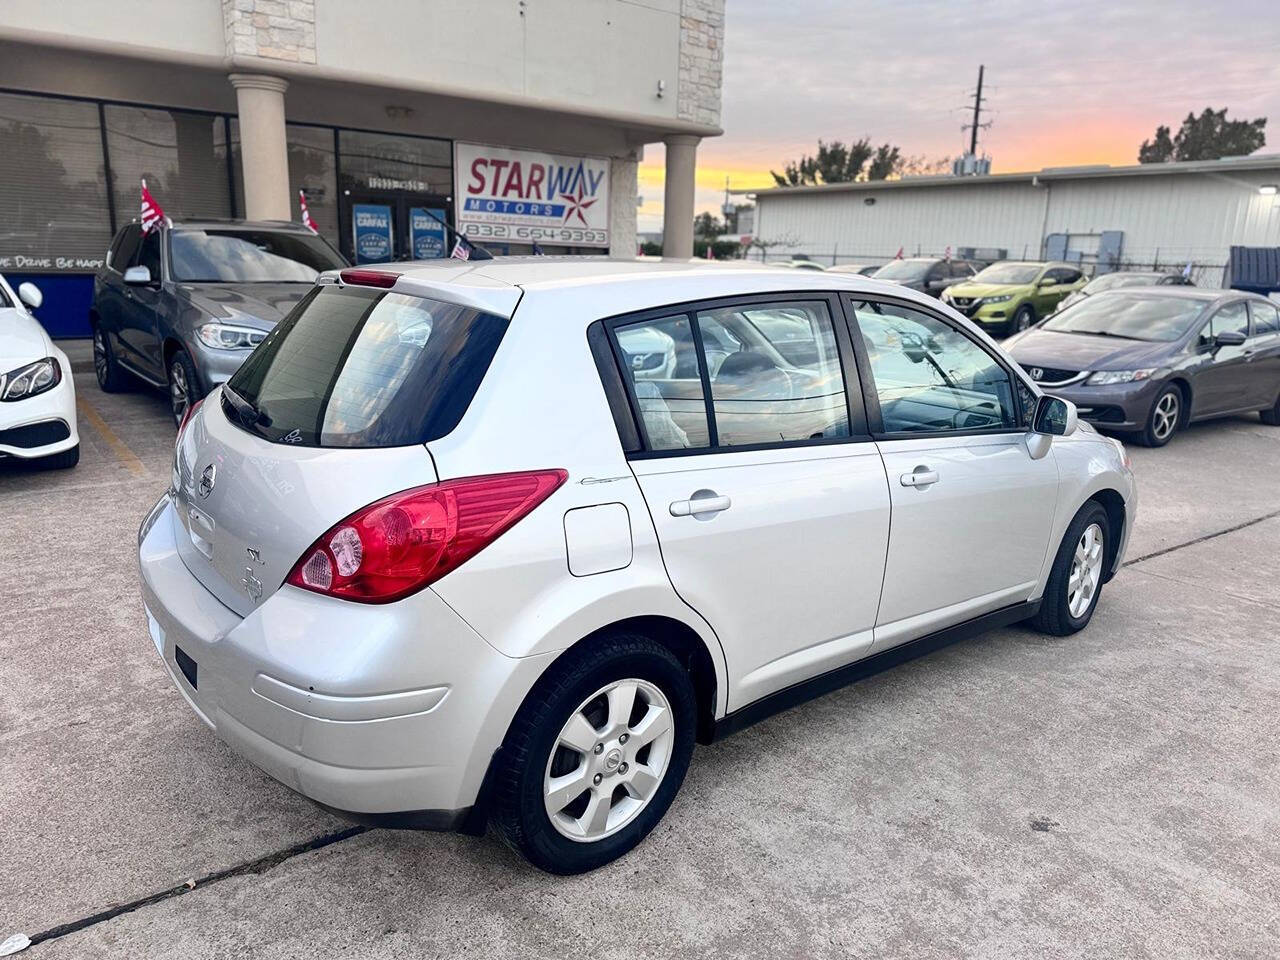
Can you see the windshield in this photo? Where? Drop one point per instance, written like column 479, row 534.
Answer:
column 249, row 256
column 361, row 367
column 1009, row 273
column 1128, row 315
column 903, row 270
column 1114, row 281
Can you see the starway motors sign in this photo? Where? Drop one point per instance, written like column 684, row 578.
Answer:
column 522, row 196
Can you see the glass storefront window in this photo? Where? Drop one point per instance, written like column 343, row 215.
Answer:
column 182, row 155
column 387, row 162
column 312, row 167
column 53, row 202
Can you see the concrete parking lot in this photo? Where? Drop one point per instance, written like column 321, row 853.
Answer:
column 1108, row 794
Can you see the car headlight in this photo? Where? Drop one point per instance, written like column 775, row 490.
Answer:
column 1003, row 298
column 227, row 336
column 1119, row 376
column 30, row 380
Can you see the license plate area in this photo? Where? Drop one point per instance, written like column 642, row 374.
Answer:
column 186, row 665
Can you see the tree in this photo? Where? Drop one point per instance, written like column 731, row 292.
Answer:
column 886, row 163
column 921, row 166
column 1209, row 136
column 707, row 227
column 837, row 162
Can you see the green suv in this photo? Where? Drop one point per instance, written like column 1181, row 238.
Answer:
column 1010, row 296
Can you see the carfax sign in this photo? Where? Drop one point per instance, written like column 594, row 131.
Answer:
column 523, row 196
column 371, row 224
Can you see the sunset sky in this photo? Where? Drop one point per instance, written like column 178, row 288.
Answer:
column 1075, row 83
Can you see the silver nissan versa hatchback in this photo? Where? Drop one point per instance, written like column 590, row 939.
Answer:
column 500, row 541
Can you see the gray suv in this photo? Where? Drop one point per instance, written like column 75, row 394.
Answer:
column 181, row 307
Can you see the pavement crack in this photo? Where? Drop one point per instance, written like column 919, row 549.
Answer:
column 1208, row 536
column 259, row 865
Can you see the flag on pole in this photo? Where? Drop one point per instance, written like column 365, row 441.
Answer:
column 710, row 254
column 1186, row 271
column 152, row 215
column 306, row 214
column 461, row 249
column 898, row 255
column 947, row 255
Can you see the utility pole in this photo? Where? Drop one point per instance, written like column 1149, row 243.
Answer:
column 977, row 113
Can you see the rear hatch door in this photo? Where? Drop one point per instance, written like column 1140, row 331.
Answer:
column 250, row 507
column 330, row 413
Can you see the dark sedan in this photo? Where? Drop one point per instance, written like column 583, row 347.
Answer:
column 182, row 306
column 1150, row 360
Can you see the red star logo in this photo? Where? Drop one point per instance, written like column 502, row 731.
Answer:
column 575, row 204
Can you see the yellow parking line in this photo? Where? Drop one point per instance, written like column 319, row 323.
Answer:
column 118, row 446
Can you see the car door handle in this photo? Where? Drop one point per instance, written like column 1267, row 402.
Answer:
column 699, row 505
column 920, row 477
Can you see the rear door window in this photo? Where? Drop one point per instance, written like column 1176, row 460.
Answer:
column 359, row 367
column 735, row 375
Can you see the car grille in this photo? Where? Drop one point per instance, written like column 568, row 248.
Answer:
column 966, row 305
column 1050, row 375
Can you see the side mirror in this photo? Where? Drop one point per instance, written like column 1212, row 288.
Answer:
column 1228, row 338
column 138, row 276
column 1055, row 417
column 30, row 294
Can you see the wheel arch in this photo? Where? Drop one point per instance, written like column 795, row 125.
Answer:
column 688, row 647
column 1113, row 503
column 1188, row 395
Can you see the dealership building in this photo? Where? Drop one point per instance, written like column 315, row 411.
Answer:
column 1106, row 218
column 515, row 122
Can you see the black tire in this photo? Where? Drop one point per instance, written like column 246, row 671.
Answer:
column 1055, row 617
column 532, row 747
column 61, row 461
column 184, row 387
column 112, row 378
column 1023, row 318
column 1271, row 416
column 1158, row 429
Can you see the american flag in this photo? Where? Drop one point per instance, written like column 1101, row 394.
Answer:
column 306, row 214
column 461, row 250
column 898, row 255
column 152, row 215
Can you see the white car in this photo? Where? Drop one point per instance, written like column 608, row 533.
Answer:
column 37, row 395
column 504, row 571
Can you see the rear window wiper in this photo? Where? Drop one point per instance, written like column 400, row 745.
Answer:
column 248, row 415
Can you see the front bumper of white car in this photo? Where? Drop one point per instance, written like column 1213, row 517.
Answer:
column 366, row 709
column 43, row 425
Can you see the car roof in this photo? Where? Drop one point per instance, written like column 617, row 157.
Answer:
column 289, row 226
column 617, row 286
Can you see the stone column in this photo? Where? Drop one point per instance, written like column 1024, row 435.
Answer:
column 622, row 207
column 264, row 155
column 677, row 210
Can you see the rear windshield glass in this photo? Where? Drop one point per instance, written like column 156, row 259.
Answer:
column 904, row 270
column 358, row 367
column 249, row 256
column 1114, row 281
column 1009, row 273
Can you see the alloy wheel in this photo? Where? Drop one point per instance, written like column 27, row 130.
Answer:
column 1086, row 570
column 100, row 356
column 1165, row 416
column 179, row 393
column 608, row 760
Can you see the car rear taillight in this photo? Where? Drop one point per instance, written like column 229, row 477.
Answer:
column 186, row 417
column 369, row 278
column 402, row 543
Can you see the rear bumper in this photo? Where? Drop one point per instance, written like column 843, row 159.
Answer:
column 369, row 710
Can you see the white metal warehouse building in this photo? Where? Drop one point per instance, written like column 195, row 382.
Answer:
column 1166, row 214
